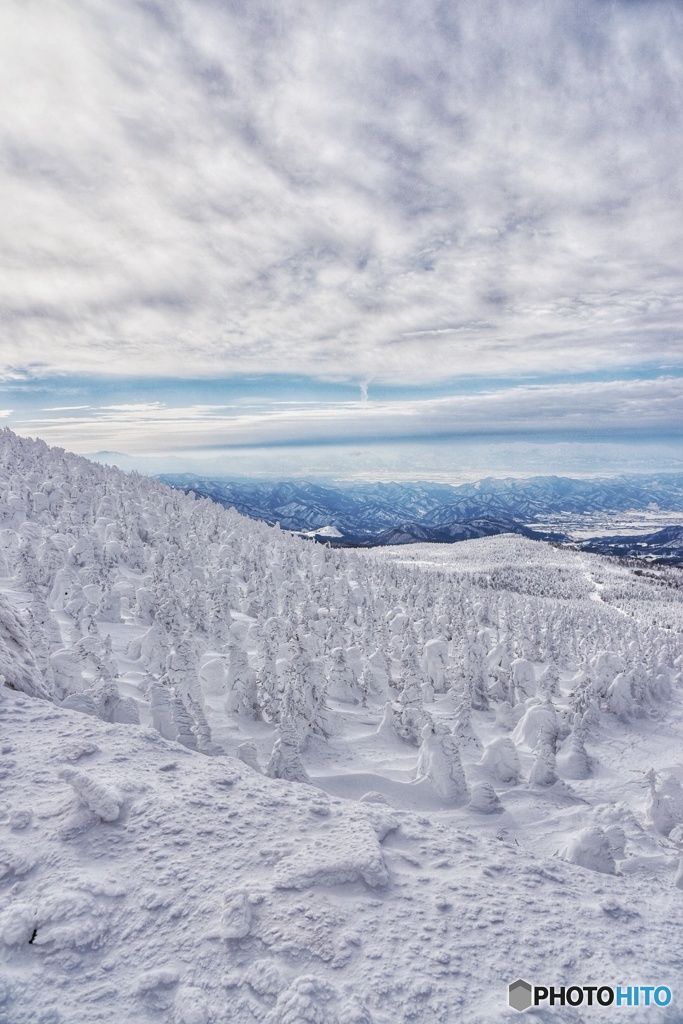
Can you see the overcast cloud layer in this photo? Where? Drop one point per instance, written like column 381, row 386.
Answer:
column 379, row 192
column 375, row 189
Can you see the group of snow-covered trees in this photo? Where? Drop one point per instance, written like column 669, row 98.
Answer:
column 137, row 602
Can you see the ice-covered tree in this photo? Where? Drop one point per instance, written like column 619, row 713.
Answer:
column 409, row 714
column 501, row 761
column 573, row 761
column 475, row 675
column 543, row 771
column 523, row 680
column 590, row 848
column 439, row 760
column 436, row 664
column 664, row 802
column 305, row 694
column 463, row 730
column 160, row 696
column 342, row 681
column 285, row 760
column 242, row 698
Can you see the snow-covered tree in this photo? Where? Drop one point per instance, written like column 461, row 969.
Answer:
column 342, row 681
column 664, row 803
column 242, row 699
column 543, row 771
column 285, row 760
column 439, row 760
column 500, row 760
column 463, row 730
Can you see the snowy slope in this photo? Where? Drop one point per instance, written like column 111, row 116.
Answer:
column 246, row 778
column 219, row 895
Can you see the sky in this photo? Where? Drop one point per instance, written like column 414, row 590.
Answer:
column 376, row 238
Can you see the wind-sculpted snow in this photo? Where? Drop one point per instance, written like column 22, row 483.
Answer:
column 344, row 854
column 97, row 797
column 225, row 896
column 247, row 778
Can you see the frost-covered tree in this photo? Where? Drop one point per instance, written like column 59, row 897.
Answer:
column 605, row 667
column 285, row 760
column 305, row 694
column 409, row 714
column 523, row 680
column 485, row 799
column 574, row 762
column 463, row 730
column 201, row 729
column 539, row 722
column 342, row 681
column 500, row 760
column 182, row 666
column 439, row 760
column 664, row 802
column 499, row 670
column 161, row 710
column 621, row 699
column 152, row 648
column 475, row 676
column 436, row 664
column 543, row 771
column 549, row 680
column 242, row 699
column 183, row 722
column 590, row 848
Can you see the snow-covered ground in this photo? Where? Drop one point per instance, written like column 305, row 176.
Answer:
column 248, row 779
column 606, row 524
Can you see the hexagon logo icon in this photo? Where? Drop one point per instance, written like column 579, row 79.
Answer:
column 519, row 995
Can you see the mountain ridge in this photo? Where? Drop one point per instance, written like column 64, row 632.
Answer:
column 373, row 515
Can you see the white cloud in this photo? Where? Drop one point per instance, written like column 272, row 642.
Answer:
column 618, row 408
column 340, row 189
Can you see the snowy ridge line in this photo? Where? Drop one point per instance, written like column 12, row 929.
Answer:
column 251, row 779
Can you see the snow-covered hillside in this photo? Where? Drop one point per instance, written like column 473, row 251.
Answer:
column 246, row 778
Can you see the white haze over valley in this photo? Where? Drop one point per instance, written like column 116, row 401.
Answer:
column 247, row 778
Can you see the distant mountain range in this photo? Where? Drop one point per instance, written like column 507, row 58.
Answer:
column 367, row 515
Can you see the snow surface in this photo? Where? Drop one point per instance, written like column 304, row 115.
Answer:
column 466, row 819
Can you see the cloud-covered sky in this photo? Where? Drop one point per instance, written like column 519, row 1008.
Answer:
column 237, row 222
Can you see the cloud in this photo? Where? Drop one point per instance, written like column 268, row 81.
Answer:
column 651, row 408
column 395, row 192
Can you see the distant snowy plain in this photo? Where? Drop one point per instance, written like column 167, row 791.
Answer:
column 245, row 778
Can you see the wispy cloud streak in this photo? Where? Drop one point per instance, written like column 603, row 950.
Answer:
column 622, row 408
